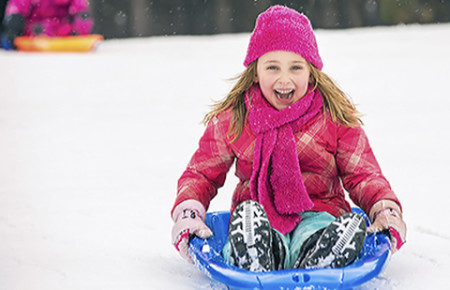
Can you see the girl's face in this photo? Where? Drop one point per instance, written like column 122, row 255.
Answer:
column 283, row 77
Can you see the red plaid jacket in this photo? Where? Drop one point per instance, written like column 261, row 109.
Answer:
column 332, row 158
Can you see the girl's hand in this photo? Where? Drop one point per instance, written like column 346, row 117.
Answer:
column 386, row 215
column 188, row 217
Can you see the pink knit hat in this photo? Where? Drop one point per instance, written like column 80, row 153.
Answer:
column 282, row 28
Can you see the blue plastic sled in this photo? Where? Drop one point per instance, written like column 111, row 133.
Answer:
column 206, row 254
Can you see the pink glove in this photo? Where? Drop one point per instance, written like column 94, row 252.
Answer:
column 188, row 217
column 82, row 24
column 387, row 215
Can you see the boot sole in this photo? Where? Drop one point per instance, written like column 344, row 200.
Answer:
column 339, row 245
column 251, row 238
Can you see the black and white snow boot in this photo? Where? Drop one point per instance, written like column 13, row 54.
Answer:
column 338, row 245
column 250, row 237
column 278, row 250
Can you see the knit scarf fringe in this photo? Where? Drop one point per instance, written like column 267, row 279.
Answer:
column 276, row 181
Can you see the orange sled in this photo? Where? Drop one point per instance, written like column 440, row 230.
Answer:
column 77, row 43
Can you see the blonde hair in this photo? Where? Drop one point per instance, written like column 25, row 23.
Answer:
column 334, row 99
column 236, row 100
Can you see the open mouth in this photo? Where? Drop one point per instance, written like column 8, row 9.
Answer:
column 284, row 94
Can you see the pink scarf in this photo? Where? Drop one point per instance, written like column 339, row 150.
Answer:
column 284, row 196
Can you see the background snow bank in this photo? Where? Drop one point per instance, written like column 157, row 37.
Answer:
column 92, row 145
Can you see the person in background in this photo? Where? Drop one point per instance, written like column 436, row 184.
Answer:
column 298, row 144
column 45, row 17
column 2, row 13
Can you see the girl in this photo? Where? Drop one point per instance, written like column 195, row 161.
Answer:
column 298, row 143
column 45, row 17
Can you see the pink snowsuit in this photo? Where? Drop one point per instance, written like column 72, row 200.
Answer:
column 52, row 17
column 332, row 157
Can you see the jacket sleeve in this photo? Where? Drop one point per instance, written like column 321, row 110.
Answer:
column 79, row 6
column 207, row 169
column 82, row 20
column 361, row 175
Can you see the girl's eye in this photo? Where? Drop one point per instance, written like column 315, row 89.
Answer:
column 272, row 67
column 296, row 67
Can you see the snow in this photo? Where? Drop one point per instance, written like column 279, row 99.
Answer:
column 92, row 145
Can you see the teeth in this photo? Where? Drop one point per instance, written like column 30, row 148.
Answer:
column 284, row 94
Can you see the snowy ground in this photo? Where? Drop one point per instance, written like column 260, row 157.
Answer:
column 91, row 147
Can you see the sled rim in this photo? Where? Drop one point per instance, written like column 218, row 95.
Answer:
column 75, row 43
